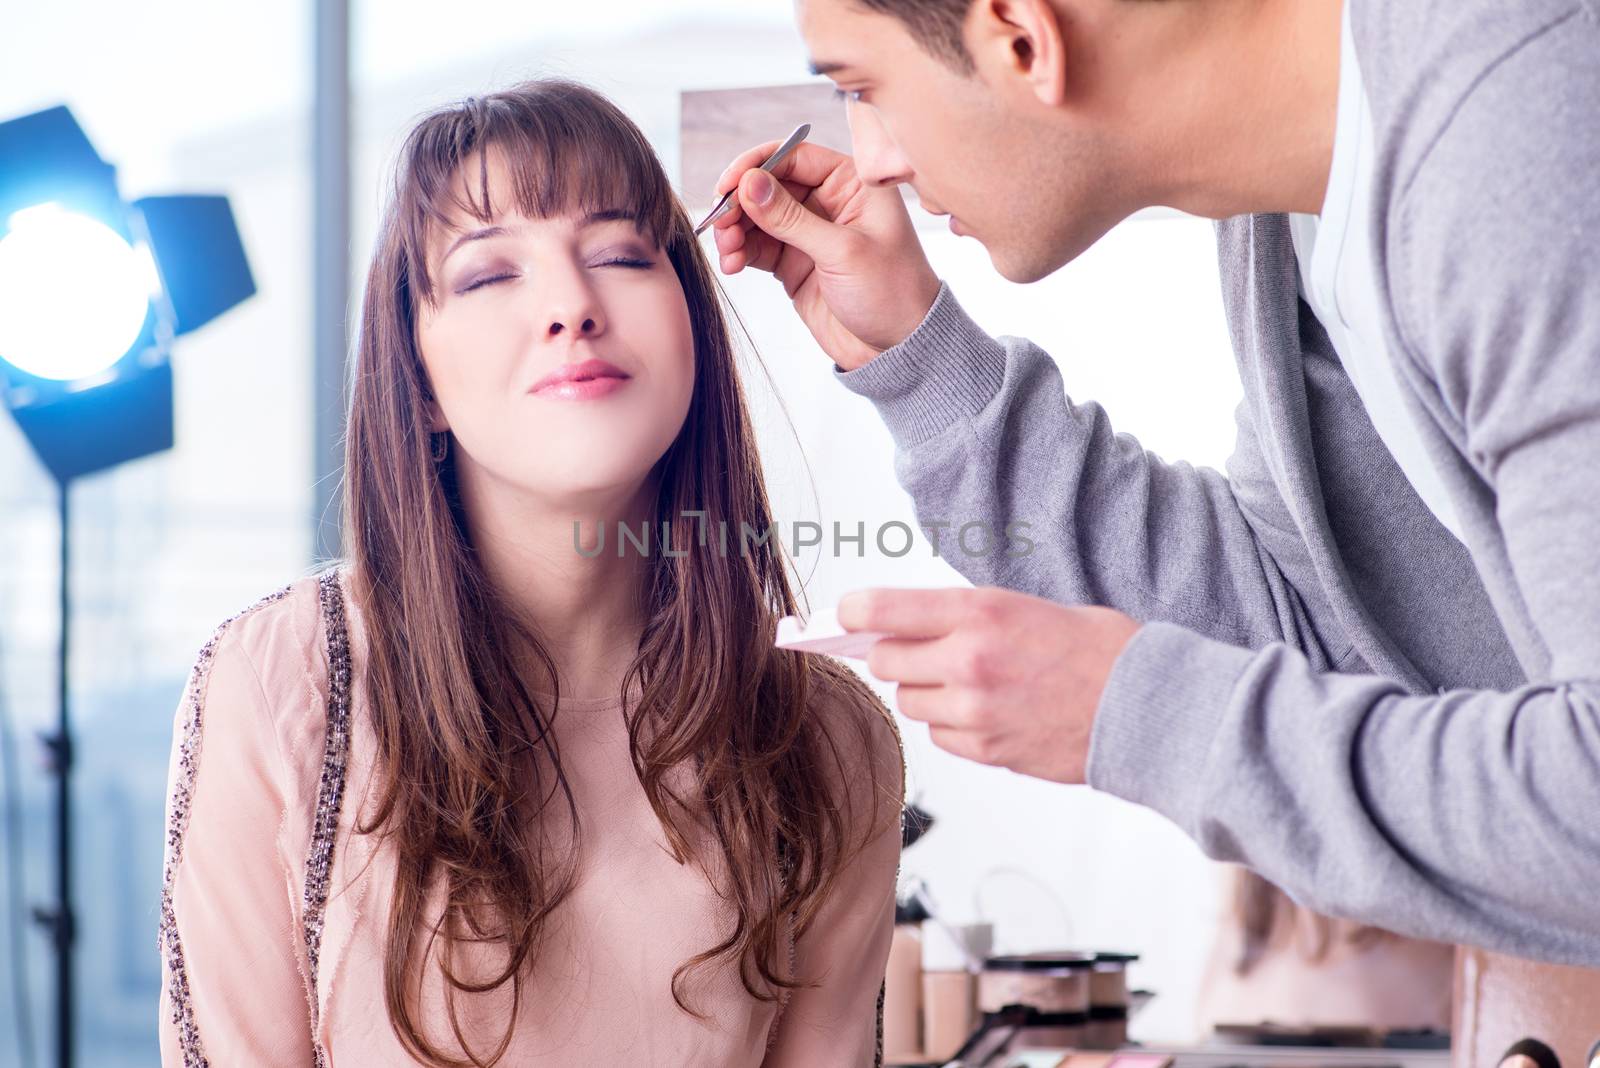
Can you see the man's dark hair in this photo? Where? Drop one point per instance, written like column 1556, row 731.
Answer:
column 937, row 24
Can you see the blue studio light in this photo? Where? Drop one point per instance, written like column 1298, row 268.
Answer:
column 56, row 265
column 93, row 290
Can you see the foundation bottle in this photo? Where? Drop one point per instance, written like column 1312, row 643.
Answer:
column 949, row 989
column 902, row 988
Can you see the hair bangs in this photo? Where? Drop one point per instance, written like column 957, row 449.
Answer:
column 564, row 155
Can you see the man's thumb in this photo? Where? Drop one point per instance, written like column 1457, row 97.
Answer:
column 771, row 207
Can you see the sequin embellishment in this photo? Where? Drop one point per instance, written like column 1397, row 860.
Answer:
column 330, row 791
column 169, row 944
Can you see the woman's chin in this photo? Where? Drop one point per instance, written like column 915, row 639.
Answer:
column 588, row 483
column 574, row 473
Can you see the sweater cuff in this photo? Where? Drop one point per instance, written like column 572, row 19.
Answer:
column 1158, row 716
column 945, row 371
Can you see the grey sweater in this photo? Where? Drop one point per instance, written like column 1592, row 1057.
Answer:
column 1330, row 688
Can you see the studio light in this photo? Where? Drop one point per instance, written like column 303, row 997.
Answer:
column 93, row 290
column 54, row 264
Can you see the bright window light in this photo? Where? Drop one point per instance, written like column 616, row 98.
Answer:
column 73, row 294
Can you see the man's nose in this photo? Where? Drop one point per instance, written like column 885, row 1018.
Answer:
column 879, row 160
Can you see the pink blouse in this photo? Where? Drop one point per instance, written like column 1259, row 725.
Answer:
column 274, row 912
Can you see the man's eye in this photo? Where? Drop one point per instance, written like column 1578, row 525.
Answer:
column 854, row 96
column 484, row 282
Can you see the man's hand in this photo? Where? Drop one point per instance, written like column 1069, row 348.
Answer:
column 845, row 251
column 1000, row 677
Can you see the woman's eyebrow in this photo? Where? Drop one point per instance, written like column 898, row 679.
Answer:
column 592, row 219
column 475, row 235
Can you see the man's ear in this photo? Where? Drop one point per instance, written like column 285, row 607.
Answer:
column 1023, row 39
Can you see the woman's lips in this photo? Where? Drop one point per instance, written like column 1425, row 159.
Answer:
column 588, row 389
column 588, row 380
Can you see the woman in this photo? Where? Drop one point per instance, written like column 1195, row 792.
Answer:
column 501, row 792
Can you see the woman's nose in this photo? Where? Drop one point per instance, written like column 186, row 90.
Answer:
column 585, row 327
column 574, row 311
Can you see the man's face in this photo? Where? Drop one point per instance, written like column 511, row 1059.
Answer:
column 979, row 147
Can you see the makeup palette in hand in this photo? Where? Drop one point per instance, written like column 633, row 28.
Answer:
column 823, row 634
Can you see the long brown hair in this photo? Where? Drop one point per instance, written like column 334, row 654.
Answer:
column 470, row 778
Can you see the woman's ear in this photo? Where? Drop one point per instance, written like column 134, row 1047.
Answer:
column 1023, row 40
column 437, row 423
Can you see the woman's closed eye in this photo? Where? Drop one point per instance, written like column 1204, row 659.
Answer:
column 632, row 262
column 481, row 282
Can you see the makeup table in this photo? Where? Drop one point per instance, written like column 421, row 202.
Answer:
column 1225, row 1056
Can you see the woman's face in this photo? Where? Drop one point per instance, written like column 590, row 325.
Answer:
column 559, row 350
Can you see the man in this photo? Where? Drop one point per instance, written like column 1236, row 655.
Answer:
column 1365, row 663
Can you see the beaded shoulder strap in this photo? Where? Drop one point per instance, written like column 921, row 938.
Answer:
column 330, row 790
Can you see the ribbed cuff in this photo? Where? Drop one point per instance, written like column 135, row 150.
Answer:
column 947, row 370
column 1158, row 716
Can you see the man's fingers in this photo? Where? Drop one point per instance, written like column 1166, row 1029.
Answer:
column 794, row 265
column 728, row 238
column 735, row 225
column 965, row 744
column 735, row 231
column 916, row 702
column 769, row 204
column 809, row 164
column 933, row 705
column 793, row 268
column 731, row 218
column 756, row 250
column 750, row 157
column 767, row 253
column 735, row 219
column 910, row 662
column 905, row 613
column 793, row 211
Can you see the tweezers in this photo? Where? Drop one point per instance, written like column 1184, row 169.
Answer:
column 800, row 134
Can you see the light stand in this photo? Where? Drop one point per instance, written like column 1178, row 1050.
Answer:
column 58, row 920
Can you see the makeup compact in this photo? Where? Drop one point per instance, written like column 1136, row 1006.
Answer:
column 1057, row 1000
column 1109, row 1001
column 1050, row 990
